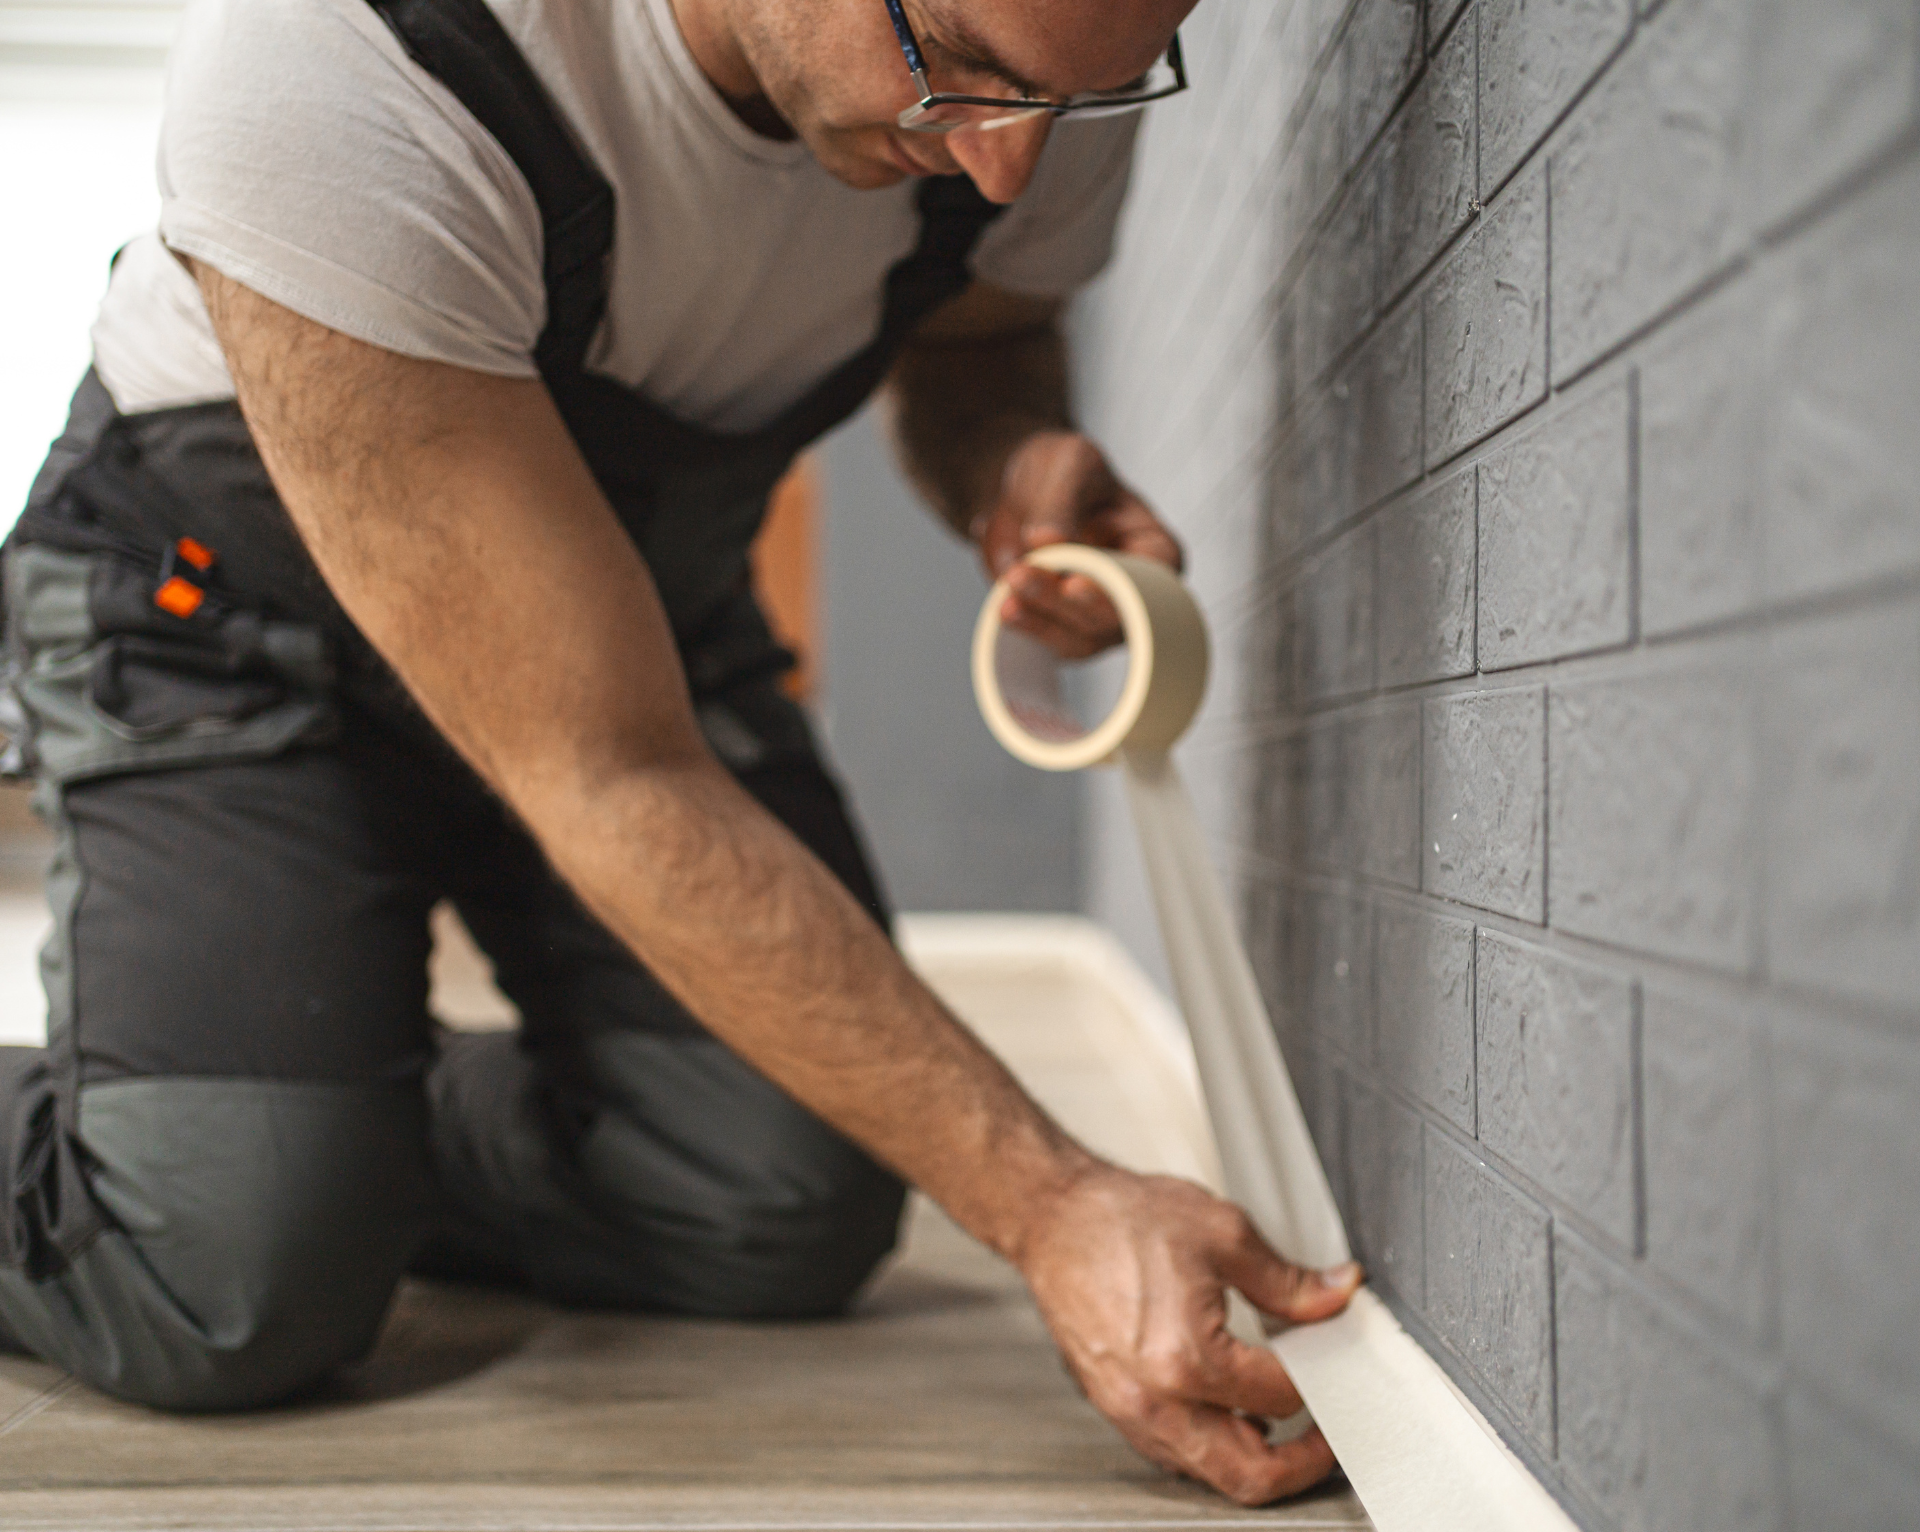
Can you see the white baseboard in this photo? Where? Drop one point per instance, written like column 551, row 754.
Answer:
column 1419, row 1455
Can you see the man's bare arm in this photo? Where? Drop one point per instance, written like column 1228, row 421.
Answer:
column 456, row 522
column 983, row 427
column 983, row 372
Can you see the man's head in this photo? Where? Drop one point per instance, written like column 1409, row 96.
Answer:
column 834, row 71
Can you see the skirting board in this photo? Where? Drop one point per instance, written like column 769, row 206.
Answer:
column 1419, row 1455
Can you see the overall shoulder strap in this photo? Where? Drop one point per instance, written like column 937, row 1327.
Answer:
column 953, row 216
column 462, row 44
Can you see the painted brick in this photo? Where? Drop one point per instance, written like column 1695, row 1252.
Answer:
column 1536, row 56
column 1843, row 457
column 1653, row 793
column 1324, row 17
column 1490, row 1283
column 1848, row 1151
column 1318, row 1082
column 1425, row 571
column 1555, row 1070
column 1645, row 180
column 1842, row 1478
column 1341, row 279
column 1383, row 1168
column 1484, row 795
column 1381, row 808
column 1288, row 366
column 1427, row 167
column 1381, row 50
column 1486, row 315
column 1334, row 601
column 1555, row 538
column 1843, row 805
column 1322, row 162
column 1338, row 927
column 1384, row 394
column 1701, row 397
column 1268, row 912
column 1313, row 471
column 1708, row 1190
column 1654, row 1424
column 1423, row 1008
column 1323, row 792
column 1834, row 84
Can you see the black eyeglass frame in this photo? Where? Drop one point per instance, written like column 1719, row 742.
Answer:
column 930, row 98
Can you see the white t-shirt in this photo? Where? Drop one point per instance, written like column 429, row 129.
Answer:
column 303, row 154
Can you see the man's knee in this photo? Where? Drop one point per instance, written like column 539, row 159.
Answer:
column 783, row 1263
column 785, row 1236
column 255, row 1231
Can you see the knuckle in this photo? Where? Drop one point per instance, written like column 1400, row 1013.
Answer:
column 1175, row 1370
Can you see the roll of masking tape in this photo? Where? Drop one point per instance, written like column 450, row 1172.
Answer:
column 1266, row 1152
column 1017, row 678
column 1417, row 1455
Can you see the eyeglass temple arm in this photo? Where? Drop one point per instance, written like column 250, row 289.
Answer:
column 909, row 45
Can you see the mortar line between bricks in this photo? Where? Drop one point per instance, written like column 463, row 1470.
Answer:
column 1887, row 161
column 1485, row 1398
column 1543, row 146
column 1515, row 1179
column 1553, row 1333
column 1890, row 1023
column 1466, row 460
column 1719, row 1333
column 1637, row 1085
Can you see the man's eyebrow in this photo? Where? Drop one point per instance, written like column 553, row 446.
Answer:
column 960, row 43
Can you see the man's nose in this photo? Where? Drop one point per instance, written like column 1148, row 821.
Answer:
column 1000, row 160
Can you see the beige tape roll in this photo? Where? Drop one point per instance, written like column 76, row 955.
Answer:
column 1017, row 678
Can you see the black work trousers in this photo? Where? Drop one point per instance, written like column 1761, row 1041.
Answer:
column 245, row 1127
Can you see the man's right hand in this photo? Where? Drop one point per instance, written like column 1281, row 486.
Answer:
column 1131, row 1274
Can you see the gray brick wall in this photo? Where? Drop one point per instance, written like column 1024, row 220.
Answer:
column 1535, row 383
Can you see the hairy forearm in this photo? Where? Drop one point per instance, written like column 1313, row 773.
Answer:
column 758, row 939
column 960, row 407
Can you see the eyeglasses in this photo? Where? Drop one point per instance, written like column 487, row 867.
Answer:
column 941, row 112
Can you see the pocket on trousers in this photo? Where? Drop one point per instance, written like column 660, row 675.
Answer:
column 97, row 704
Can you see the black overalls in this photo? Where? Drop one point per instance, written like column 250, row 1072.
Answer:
column 243, row 1129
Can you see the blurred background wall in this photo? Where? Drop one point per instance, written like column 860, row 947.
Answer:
column 954, row 822
column 1535, row 383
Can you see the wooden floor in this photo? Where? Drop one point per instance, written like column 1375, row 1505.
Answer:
column 941, row 1404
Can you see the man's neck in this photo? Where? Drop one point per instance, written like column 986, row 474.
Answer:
column 716, row 49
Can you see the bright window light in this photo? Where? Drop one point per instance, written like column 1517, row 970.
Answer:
column 79, row 121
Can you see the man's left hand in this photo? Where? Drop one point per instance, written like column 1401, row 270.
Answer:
column 1059, row 488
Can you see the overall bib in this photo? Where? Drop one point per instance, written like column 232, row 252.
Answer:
column 245, row 1127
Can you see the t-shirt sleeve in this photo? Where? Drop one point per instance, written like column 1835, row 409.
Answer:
column 303, row 155
column 1059, row 235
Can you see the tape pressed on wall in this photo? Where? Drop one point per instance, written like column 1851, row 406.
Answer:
column 1415, row 1451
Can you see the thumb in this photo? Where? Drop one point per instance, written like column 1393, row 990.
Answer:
column 1278, row 1287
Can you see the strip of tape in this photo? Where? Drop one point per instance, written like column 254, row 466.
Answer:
column 1416, row 1453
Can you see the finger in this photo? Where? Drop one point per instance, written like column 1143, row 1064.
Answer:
column 1250, row 1378
column 1129, row 527
column 1232, row 1454
column 1278, row 1287
column 1072, row 600
column 1068, row 643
